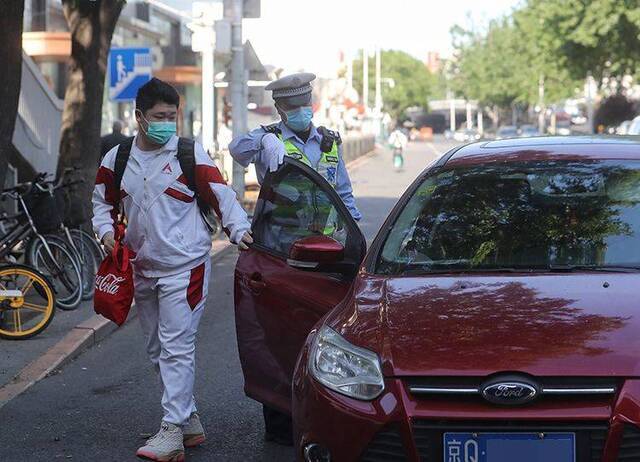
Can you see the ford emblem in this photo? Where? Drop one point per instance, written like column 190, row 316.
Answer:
column 509, row 392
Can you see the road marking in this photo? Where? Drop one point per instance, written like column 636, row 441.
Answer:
column 434, row 150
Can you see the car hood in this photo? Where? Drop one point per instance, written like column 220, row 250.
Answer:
column 547, row 324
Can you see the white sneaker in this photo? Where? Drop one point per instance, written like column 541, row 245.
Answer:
column 192, row 432
column 164, row 446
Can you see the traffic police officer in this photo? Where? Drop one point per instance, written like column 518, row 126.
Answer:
column 321, row 149
column 297, row 137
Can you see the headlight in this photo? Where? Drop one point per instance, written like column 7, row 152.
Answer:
column 345, row 368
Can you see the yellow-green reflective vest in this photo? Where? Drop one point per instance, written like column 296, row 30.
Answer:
column 327, row 168
column 327, row 165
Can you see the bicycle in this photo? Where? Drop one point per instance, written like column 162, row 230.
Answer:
column 85, row 246
column 52, row 258
column 24, row 312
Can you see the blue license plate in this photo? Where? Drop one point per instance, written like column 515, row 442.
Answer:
column 509, row 447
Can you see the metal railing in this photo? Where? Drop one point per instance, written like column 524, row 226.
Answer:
column 354, row 146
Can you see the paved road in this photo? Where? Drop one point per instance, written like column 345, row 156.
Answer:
column 99, row 406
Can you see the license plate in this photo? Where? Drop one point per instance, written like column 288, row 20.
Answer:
column 509, row 447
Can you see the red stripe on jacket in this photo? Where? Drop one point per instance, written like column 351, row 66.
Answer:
column 196, row 285
column 206, row 174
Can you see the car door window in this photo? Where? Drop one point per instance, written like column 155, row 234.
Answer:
column 295, row 203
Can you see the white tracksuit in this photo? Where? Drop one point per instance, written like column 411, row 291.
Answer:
column 172, row 245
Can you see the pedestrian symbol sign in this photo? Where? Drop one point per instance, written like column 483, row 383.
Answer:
column 129, row 69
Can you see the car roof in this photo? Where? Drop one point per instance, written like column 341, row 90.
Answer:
column 548, row 148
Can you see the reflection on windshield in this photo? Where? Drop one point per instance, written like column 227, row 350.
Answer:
column 524, row 215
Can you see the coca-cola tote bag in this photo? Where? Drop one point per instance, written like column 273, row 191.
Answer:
column 114, row 285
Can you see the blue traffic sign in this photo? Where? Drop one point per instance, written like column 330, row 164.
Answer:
column 129, row 69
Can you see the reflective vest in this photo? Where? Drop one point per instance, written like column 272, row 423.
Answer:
column 327, row 165
column 322, row 215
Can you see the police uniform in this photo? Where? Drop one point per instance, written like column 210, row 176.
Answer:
column 322, row 150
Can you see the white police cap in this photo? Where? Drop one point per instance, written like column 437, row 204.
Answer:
column 291, row 85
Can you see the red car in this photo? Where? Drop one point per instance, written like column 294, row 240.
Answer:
column 495, row 317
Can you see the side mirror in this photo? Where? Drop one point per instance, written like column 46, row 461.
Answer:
column 311, row 251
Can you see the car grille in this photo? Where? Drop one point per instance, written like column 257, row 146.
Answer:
column 630, row 445
column 385, row 446
column 549, row 387
column 590, row 437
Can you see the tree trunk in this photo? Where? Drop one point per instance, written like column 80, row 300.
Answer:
column 11, row 58
column 91, row 24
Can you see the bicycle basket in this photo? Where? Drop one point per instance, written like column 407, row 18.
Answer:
column 45, row 211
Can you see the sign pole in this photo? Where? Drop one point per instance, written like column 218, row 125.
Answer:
column 238, row 100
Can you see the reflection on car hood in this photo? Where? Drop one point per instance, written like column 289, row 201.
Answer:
column 546, row 324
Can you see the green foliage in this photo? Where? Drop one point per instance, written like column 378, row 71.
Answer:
column 503, row 66
column 559, row 40
column 597, row 36
column 413, row 81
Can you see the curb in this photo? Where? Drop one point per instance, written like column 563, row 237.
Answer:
column 81, row 338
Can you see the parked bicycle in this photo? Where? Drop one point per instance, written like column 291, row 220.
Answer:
column 54, row 259
column 84, row 245
column 27, row 302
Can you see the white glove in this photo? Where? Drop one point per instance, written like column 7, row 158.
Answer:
column 274, row 151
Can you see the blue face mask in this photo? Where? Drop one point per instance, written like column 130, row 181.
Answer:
column 299, row 119
column 160, row 132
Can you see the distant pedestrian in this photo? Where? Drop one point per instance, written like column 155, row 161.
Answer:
column 164, row 184
column 108, row 142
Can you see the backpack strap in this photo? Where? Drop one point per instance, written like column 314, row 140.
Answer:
column 122, row 157
column 187, row 158
column 328, row 138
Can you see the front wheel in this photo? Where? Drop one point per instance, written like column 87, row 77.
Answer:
column 60, row 265
column 27, row 302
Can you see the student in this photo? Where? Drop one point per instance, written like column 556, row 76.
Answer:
column 166, row 230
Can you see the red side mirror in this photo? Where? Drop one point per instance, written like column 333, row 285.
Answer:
column 310, row 251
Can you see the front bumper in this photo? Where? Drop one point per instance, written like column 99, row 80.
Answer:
column 398, row 426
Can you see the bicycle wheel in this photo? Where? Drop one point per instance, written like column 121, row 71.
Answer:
column 92, row 255
column 27, row 302
column 61, row 266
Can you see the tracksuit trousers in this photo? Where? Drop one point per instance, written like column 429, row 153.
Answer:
column 169, row 309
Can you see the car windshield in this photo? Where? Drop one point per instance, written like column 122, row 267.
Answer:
column 534, row 215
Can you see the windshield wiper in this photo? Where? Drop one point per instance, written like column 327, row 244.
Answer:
column 597, row 268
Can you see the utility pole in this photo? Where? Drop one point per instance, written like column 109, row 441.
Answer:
column 452, row 111
column 238, row 84
column 378, row 83
column 469, row 116
column 480, row 121
column 589, row 97
column 541, row 127
column 365, row 79
column 204, row 41
column 349, row 59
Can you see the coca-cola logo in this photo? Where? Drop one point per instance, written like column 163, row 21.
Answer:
column 109, row 283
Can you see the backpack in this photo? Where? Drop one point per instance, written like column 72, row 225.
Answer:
column 187, row 158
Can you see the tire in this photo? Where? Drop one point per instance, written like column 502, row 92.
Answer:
column 40, row 299
column 91, row 258
column 63, row 272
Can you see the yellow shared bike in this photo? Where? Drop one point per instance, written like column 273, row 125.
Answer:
column 27, row 302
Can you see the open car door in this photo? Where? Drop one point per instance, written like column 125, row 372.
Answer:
column 307, row 250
